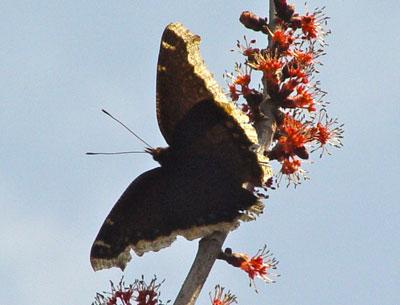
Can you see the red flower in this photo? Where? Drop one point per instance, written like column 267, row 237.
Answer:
column 248, row 50
column 119, row 294
column 147, row 294
column 303, row 99
column 291, row 143
column 322, row 134
column 295, row 132
column 290, row 167
column 139, row 292
column 270, row 67
column 327, row 131
column 294, row 135
column 297, row 73
column 309, row 26
column 259, row 265
column 303, row 58
column 284, row 40
column 242, row 80
column 221, row 298
column 233, row 92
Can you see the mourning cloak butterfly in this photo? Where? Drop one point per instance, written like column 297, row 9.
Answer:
column 199, row 187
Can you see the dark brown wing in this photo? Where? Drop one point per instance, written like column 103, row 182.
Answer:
column 183, row 81
column 198, row 189
column 193, row 199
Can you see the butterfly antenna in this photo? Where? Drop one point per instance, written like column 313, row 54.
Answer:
column 115, row 153
column 127, row 128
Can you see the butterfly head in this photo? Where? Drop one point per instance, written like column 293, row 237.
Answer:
column 160, row 154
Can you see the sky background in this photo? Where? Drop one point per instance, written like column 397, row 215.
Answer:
column 336, row 236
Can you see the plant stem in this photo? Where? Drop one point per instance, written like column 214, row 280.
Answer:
column 209, row 249
column 210, row 246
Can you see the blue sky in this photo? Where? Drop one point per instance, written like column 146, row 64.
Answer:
column 336, row 236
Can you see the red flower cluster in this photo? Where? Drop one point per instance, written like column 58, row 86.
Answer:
column 290, row 93
column 139, row 292
column 259, row 265
column 327, row 131
column 240, row 86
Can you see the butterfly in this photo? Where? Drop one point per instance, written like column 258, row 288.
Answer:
column 199, row 186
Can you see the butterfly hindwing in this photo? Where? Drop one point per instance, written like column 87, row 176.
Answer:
column 192, row 199
column 119, row 230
